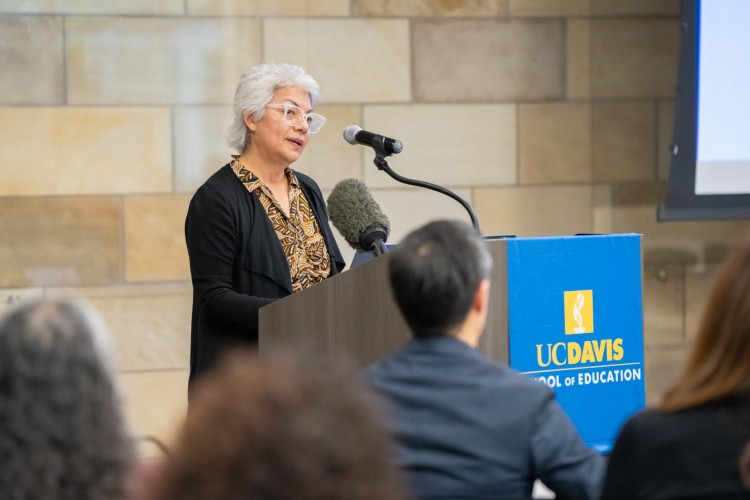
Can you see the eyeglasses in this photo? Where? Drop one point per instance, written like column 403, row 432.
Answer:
column 294, row 114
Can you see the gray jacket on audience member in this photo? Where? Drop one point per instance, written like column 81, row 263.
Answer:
column 468, row 428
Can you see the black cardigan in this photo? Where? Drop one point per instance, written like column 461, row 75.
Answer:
column 237, row 263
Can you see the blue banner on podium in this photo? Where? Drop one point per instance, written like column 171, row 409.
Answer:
column 576, row 324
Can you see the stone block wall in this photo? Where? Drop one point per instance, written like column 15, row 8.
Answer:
column 552, row 117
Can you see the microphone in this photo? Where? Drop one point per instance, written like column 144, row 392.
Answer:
column 355, row 135
column 358, row 217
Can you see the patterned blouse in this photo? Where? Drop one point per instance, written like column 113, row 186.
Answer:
column 303, row 243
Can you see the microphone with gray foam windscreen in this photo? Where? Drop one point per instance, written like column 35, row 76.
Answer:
column 354, row 134
column 358, row 217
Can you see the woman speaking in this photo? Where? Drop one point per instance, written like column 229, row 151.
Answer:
column 256, row 230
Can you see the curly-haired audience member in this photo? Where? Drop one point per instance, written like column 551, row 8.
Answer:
column 690, row 446
column 62, row 432
column 276, row 427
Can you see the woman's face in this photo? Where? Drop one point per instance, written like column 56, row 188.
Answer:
column 276, row 139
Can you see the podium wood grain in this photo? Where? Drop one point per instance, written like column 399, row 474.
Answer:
column 353, row 315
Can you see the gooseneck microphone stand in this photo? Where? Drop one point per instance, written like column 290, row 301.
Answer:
column 378, row 144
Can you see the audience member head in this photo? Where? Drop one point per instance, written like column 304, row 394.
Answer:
column 717, row 366
column 255, row 91
column 436, row 272
column 276, row 427
column 62, row 430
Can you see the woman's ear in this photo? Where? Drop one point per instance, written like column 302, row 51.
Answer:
column 249, row 122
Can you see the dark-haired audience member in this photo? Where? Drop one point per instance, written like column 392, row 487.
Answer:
column 468, row 428
column 276, row 427
column 62, row 431
column 689, row 447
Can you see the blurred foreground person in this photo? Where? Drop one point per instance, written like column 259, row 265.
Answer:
column 274, row 428
column 62, row 430
column 466, row 427
column 690, row 446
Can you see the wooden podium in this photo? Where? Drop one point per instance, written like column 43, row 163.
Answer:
column 353, row 315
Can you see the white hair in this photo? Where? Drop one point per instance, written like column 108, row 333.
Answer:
column 255, row 91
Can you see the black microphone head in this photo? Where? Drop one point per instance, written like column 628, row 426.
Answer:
column 370, row 236
column 350, row 133
column 353, row 210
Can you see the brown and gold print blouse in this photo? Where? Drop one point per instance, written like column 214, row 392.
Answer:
column 303, row 243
